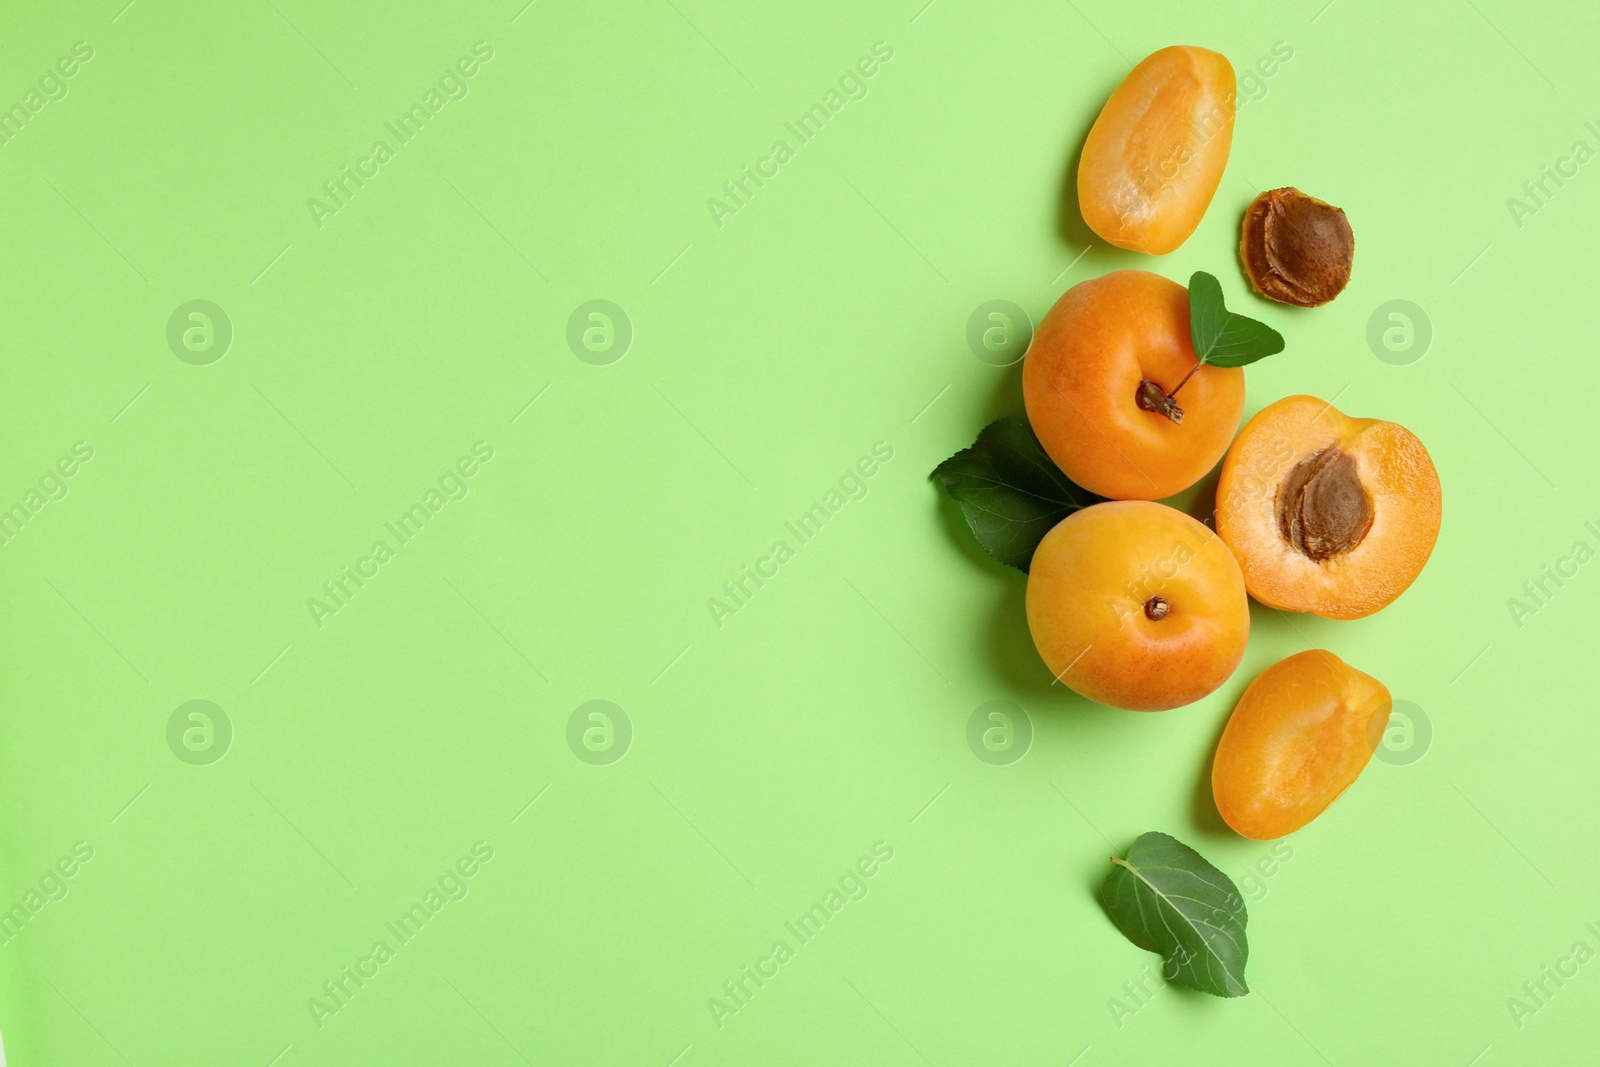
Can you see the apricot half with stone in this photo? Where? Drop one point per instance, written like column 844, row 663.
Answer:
column 1154, row 157
column 1327, row 514
column 1137, row 605
column 1106, row 348
column 1302, row 732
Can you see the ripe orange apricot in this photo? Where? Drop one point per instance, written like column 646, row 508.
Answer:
column 1084, row 382
column 1154, row 157
column 1299, row 736
column 1137, row 605
column 1327, row 514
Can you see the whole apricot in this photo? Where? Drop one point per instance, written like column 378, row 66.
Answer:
column 1327, row 514
column 1106, row 347
column 1154, row 157
column 1299, row 736
column 1137, row 605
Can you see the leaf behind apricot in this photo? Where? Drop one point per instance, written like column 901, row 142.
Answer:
column 1009, row 490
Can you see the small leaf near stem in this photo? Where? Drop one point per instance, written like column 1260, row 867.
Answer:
column 1220, row 338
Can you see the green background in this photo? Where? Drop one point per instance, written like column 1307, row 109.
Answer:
column 369, row 754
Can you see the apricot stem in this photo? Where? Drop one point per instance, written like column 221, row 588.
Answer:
column 1156, row 608
column 1186, row 378
column 1151, row 397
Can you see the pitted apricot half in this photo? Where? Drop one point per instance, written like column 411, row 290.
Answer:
column 1327, row 514
column 1154, row 157
column 1298, row 738
column 1092, row 365
column 1137, row 605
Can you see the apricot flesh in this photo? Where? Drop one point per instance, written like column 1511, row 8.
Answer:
column 1137, row 605
column 1327, row 514
column 1299, row 736
column 1155, row 155
column 1081, row 382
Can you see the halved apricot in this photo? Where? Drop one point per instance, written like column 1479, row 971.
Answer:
column 1137, row 605
column 1154, row 157
column 1327, row 514
column 1092, row 359
column 1299, row 736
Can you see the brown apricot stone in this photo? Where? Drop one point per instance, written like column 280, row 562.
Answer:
column 1322, row 508
column 1296, row 249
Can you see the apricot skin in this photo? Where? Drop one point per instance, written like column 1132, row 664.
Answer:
column 1082, row 374
column 1154, row 157
column 1395, row 472
column 1300, row 735
column 1088, row 586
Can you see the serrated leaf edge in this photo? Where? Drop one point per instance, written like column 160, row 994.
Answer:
column 1221, row 965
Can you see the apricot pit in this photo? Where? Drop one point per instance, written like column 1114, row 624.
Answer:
column 1296, row 249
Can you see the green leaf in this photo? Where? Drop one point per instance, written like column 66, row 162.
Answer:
column 1220, row 337
column 1166, row 898
column 1009, row 491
